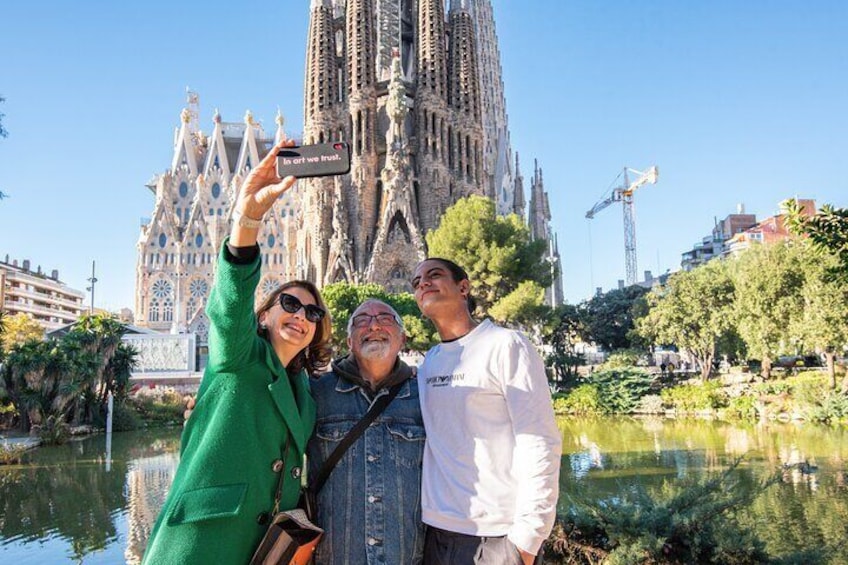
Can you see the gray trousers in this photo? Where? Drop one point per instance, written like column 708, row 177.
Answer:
column 442, row 547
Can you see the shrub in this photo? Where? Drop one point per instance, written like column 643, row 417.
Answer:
column 831, row 408
column 650, row 404
column 163, row 408
column 742, row 407
column 585, row 399
column 623, row 359
column 8, row 412
column 690, row 521
column 53, row 431
column 620, row 390
column 807, row 394
column 125, row 418
column 694, row 397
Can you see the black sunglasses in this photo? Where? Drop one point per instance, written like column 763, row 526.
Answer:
column 291, row 304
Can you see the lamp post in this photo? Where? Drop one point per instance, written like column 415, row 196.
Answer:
column 92, row 280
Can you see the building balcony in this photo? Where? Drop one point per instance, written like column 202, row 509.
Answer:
column 68, row 301
column 39, row 312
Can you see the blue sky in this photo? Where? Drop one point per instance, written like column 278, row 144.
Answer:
column 735, row 102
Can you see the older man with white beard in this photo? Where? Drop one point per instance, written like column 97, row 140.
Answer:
column 381, row 472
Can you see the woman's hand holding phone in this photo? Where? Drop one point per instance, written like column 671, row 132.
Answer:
column 258, row 193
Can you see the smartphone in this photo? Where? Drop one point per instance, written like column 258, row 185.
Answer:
column 319, row 160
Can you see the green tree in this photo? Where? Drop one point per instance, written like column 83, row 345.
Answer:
column 562, row 336
column 342, row 298
column 823, row 324
column 496, row 251
column 91, row 346
column 608, row 318
column 524, row 307
column 828, row 230
column 33, row 377
column 18, row 329
column 693, row 310
column 769, row 280
column 48, row 380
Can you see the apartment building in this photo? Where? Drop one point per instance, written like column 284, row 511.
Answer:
column 715, row 244
column 770, row 230
column 42, row 297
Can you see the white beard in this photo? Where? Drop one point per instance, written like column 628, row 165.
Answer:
column 375, row 349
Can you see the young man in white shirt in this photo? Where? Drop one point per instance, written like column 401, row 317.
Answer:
column 491, row 461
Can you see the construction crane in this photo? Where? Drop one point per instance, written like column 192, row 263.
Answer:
column 624, row 194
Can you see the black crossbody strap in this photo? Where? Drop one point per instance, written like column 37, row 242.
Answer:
column 357, row 430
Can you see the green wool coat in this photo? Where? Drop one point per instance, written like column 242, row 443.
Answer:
column 248, row 410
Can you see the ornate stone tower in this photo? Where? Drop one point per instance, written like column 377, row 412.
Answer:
column 400, row 82
column 539, row 219
column 417, row 93
column 497, row 153
column 178, row 245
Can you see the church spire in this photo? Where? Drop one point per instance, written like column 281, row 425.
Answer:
column 432, row 60
column 361, row 46
column 464, row 79
column 321, row 74
column 519, row 203
column 185, row 149
column 281, row 121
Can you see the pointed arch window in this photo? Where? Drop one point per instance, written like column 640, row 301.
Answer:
column 201, row 331
column 153, row 310
column 198, row 290
column 161, row 301
column 168, row 310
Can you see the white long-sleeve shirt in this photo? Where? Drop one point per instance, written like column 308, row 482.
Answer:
column 492, row 456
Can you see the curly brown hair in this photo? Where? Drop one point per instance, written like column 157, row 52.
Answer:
column 315, row 356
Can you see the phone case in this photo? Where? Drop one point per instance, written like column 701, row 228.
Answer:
column 319, row 160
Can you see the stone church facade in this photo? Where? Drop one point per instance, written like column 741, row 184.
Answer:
column 417, row 93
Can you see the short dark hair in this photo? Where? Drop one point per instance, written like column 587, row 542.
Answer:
column 458, row 274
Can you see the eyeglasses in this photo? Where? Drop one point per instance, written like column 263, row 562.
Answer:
column 291, row 304
column 383, row 319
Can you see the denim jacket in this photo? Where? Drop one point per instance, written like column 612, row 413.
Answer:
column 370, row 506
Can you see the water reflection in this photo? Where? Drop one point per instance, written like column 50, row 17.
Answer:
column 806, row 510
column 65, row 506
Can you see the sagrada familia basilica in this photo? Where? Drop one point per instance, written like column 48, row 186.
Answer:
column 417, row 92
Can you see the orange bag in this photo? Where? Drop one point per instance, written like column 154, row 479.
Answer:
column 291, row 539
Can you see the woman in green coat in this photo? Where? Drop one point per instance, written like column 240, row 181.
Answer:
column 253, row 415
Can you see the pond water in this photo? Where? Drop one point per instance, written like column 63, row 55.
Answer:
column 73, row 504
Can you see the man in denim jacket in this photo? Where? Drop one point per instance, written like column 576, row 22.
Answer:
column 370, row 506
